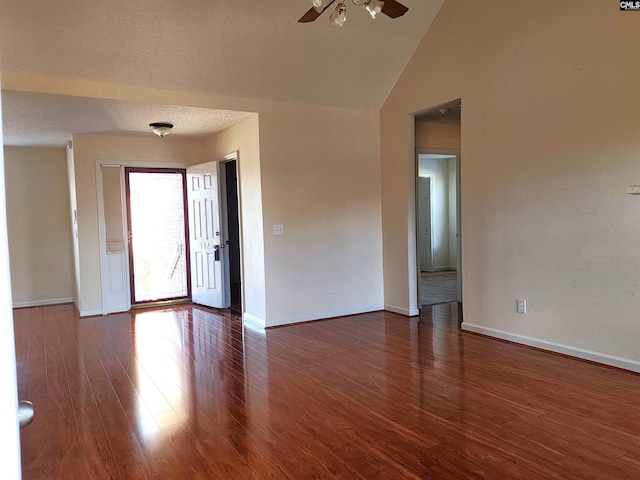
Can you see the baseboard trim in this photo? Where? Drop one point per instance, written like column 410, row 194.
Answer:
column 116, row 310
column 40, row 303
column 323, row 316
column 402, row 311
column 253, row 320
column 589, row 355
column 91, row 313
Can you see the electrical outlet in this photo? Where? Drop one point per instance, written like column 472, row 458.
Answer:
column 330, row 289
column 522, row 305
column 278, row 230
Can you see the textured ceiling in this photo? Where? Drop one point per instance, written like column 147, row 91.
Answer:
column 34, row 119
column 239, row 48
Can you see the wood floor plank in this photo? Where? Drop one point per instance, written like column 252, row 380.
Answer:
column 187, row 392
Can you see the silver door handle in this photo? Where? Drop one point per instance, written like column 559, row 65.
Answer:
column 25, row 413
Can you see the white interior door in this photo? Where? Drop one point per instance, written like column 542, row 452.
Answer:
column 206, row 236
column 9, row 435
column 426, row 234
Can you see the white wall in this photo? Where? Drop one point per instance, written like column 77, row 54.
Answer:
column 320, row 170
column 244, row 138
column 549, row 144
column 316, row 171
column 438, row 137
column 38, row 223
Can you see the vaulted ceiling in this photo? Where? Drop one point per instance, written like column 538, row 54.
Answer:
column 239, row 48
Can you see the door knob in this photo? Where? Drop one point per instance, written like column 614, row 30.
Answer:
column 25, row 413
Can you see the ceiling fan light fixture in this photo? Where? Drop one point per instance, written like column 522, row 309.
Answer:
column 320, row 5
column 374, row 7
column 339, row 15
column 390, row 8
column 161, row 129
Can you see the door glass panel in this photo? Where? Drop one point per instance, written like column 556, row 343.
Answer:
column 157, row 226
column 112, row 194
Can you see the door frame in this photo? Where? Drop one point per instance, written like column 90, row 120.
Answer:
column 104, row 274
column 224, row 227
column 458, row 154
column 230, row 157
column 234, row 155
column 224, row 210
column 185, row 217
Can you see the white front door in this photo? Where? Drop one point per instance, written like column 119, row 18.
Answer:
column 206, row 236
column 426, row 236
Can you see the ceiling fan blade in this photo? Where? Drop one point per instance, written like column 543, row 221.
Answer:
column 393, row 9
column 311, row 15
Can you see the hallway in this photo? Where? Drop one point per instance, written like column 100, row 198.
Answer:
column 438, row 287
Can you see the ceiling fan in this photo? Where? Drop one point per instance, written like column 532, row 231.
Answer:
column 390, row 8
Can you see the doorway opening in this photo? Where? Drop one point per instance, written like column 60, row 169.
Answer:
column 231, row 219
column 157, row 235
column 215, row 234
column 437, row 227
column 438, row 244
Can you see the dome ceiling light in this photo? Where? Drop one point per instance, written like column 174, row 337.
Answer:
column 161, row 129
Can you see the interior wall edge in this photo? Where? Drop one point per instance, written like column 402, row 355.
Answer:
column 407, row 312
column 257, row 321
column 323, row 316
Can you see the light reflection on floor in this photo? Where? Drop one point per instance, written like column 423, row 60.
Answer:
column 162, row 368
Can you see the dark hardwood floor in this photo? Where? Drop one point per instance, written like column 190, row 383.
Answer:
column 186, row 393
